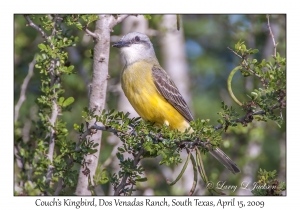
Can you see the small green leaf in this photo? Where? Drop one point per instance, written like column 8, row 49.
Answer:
column 42, row 46
column 92, row 151
column 79, row 26
column 148, row 17
column 142, row 179
column 70, row 68
column 60, row 101
column 121, row 149
column 68, row 101
column 76, row 126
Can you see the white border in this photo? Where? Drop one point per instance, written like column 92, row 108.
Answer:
column 8, row 201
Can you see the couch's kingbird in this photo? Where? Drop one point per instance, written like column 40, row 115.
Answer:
column 151, row 91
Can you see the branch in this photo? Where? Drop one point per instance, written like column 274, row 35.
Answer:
column 272, row 35
column 33, row 25
column 24, row 88
column 244, row 61
column 247, row 118
column 92, row 34
column 181, row 143
column 116, row 21
column 93, row 129
column 125, row 177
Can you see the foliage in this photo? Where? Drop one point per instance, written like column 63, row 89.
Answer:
column 44, row 171
column 144, row 140
column 267, row 184
column 264, row 100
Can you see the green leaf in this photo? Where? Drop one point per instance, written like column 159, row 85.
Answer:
column 92, row 151
column 70, row 68
column 76, row 126
column 79, row 26
column 121, row 149
column 254, row 51
column 68, row 101
column 141, row 179
column 148, row 17
column 42, row 47
column 60, row 101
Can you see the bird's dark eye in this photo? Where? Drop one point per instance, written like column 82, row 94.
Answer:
column 137, row 38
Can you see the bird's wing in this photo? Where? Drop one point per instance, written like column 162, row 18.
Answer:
column 167, row 88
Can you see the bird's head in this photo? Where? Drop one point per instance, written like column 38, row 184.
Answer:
column 135, row 47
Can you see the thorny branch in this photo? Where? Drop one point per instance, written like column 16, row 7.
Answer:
column 33, row 25
column 118, row 20
column 54, row 24
column 282, row 103
column 114, row 21
column 123, row 183
column 183, row 144
column 247, row 118
column 55, row 109
column 92, row 34
column 244, row 63
column 272, row 35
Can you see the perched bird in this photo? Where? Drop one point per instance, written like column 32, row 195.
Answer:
column 151, row 91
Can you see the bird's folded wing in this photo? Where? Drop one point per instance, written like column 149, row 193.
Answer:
column 167, row 88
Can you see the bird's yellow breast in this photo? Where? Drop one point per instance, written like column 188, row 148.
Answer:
column 138, row 86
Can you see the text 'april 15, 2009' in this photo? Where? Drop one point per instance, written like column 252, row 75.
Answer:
column 154, row 202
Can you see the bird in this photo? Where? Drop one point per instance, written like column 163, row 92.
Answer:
column 152, row 92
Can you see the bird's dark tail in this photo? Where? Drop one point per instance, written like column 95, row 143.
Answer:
column 225, row 160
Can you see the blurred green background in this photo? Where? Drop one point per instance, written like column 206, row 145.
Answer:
column 209, row 62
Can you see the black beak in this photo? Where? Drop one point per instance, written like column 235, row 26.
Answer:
column 121, row 44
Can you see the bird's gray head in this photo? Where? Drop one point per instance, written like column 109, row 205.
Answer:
column 135, row 47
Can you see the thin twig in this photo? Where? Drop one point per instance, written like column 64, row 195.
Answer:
column 123, row 183
column 55, row 19
column 92, row 34
column 116, row 20
column 54, row 25
column 93, row 129
column 235, row 53
column 244, row 61
column 33, row 25
column 246, row 118
column 119, row 19
column 272, row 35
column 24, row 88
column 55, row 108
